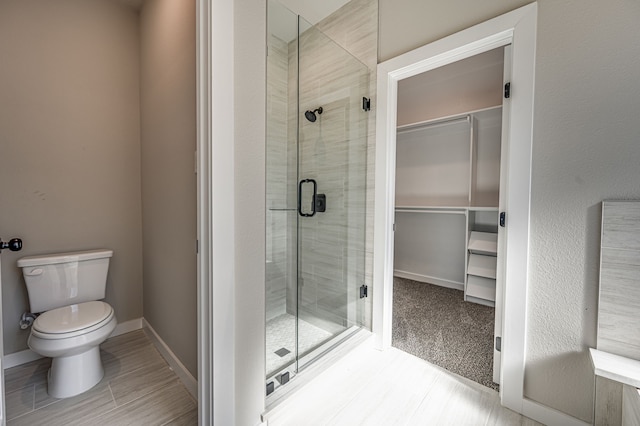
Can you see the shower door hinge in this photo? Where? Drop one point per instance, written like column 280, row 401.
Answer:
column 507, row 90
column 498, row 343
column 364, row 291
column 366, row 104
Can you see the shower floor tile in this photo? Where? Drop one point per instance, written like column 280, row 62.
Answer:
column 281, row 335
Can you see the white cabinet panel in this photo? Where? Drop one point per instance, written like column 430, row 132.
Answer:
column 483, row 243
column 431, row 245
column 482, row 266
column 482, row 288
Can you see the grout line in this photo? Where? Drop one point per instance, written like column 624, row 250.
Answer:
column 115, row 403
column 9, row 419
column 128, row 373
column 176, row 417
column 161, row 363
column 140, row 397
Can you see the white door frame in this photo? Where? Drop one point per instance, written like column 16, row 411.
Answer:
column 517, row 28
column 3, row 413
column 215, row 168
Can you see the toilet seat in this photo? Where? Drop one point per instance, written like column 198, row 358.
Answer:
column 71, row 321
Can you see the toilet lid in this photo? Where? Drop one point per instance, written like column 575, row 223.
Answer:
column 73, row 318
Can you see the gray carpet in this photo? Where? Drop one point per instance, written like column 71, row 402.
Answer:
column 435, row 323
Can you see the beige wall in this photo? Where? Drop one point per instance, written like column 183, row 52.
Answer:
column 407, row 24
column 585, row 149
column 75, row 76
column 168, row 141
column 69, row 151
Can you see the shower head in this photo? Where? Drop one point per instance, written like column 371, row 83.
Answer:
column 311, row 115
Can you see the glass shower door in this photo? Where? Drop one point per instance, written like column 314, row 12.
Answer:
column 332, row 158
column 281, row 183
column 315, row 193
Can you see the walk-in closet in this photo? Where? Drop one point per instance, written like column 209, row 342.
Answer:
column 448, row 234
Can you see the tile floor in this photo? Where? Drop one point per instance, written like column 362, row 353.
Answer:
column 139, row 388
column 365, row 387
column 281, row 333
column 375, row 388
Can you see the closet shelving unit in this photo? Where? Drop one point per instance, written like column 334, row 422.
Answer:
column 447, row 193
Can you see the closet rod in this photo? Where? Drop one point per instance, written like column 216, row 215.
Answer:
column 462, row 212
column 435, row 123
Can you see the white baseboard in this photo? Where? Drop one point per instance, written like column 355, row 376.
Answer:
column 548, row 416
column 181, row 371
column 127, row 326
column 430, row 280
column 18, row 358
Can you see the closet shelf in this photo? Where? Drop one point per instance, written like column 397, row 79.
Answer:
column 483, row 243
column 449, row 203
column 430, row 209
column 448, row 191
column 482, row 266
column 483, row 209
column 431, row 124
column 481, row 288
column 452, row 118
column 447, row 207
column 432, row 202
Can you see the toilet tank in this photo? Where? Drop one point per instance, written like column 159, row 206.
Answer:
column 62, row 279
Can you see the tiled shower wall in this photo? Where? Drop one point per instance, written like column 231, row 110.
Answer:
column 337, row 150
column 354, row 27
column 332, row 150
column 279, row 216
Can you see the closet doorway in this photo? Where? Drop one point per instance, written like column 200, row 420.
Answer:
column 448, row 242
column 517, row 29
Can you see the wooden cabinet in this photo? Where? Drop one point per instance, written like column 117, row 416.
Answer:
column 447, row 193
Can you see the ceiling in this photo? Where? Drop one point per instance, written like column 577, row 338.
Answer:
column 282, row 15
column 313, row 11
column 282, row 20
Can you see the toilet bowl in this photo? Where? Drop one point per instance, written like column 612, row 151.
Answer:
column 71, row 335
column 66, row 289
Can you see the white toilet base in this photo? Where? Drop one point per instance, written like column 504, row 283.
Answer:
column 75, row 366
column 74, row 374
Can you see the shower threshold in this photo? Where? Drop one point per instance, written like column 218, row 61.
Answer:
column 313, row 363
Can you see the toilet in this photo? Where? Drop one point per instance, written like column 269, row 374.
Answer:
column 66, row 288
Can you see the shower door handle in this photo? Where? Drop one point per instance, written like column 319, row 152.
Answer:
column 313, row 198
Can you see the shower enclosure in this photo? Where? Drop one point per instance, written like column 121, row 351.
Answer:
column 315, row 194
